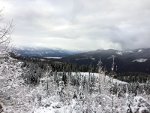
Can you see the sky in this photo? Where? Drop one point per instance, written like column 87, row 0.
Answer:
column 78, row 24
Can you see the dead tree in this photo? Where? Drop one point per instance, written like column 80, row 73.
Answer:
column 5, row 31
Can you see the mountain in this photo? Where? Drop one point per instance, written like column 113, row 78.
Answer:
column 137, row 60
column 42, row 52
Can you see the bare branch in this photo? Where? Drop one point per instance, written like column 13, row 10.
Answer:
column 5, row 36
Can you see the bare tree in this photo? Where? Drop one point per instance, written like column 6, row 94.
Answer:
column 5, row 31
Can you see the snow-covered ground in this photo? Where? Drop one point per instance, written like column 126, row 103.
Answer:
column 47, row 97
column 140, row 60
column 53, row 57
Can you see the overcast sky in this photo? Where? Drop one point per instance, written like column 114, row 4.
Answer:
column 79, row 24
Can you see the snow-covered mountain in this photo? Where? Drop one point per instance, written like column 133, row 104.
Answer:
column 137, row 60
column 42, row 52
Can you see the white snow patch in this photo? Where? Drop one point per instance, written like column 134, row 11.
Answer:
column 129, row 51
column 119, row 53
column 140, row 60
column 140, row 50
column 92, row 58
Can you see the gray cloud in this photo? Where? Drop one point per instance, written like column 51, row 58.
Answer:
column 79, row 24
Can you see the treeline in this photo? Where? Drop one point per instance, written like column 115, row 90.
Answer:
column 133, row 77
column 60, row 66
column 56, row 64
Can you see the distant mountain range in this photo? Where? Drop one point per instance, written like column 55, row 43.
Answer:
column 42, row 52
column 137, row 60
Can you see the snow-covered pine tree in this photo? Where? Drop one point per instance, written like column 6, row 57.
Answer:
column 100, row 67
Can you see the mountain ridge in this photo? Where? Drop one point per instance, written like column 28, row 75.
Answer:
column 137, row 60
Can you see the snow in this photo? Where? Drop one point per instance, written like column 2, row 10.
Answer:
column 140, row 60
column 18, row 97
column 119, row 53
column 140, row 50
column 129, row 51
column 92, row 58
column 53, row 57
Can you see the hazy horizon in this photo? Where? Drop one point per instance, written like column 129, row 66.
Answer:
column 79, row 50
